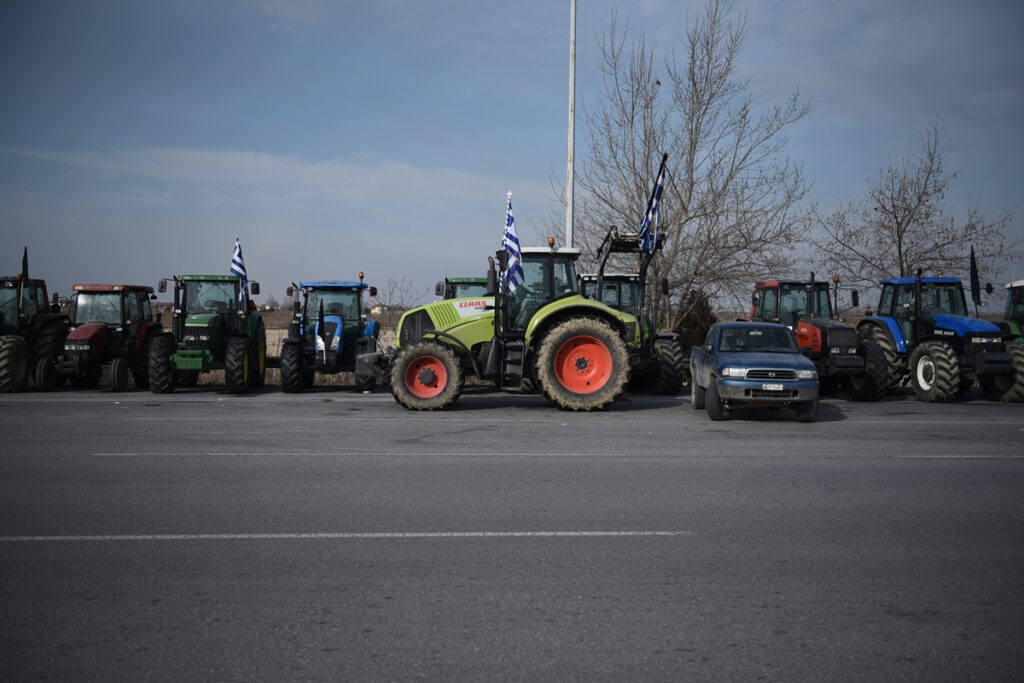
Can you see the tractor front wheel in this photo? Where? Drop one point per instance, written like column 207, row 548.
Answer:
column 13, row 363
column 934, row 372
column 873, row 382
column 46, row 374
column 161, row 370
column 1007, row 387
column 291, row 369
column 426, row 376
column 582, row 364
column 119, row 374
column 236, row 365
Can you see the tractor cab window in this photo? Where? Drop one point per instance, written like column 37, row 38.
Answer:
column 1014, row 305
column 769, row 304
column 544, row 280
column 622, row 296
column 342, row 303
column 98, row 307
column 903, row 302
column 9, row 305
column 942, row 298
column 211, row 297
column 885, row 303
column 138, row 306
column 33, row 301
column 465, row 290
column 793, row 302
column 822, row 303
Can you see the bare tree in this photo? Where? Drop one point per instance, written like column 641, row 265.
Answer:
column 903, row 224
column 730, row 208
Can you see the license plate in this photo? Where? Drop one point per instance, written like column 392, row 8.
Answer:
column 771, row 387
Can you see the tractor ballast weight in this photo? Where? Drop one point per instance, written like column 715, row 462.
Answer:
column 542, row 337
column 112, row 327
column 32, row 332
column 328, row 333
column 806, row 307
column 927, row 338
column 659, row 361
column 213, row 327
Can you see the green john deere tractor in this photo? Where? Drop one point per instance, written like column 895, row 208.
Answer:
column 1013, row 313
column 659, row 362
column 213, row 327
column 461, row 287
column 544, row 337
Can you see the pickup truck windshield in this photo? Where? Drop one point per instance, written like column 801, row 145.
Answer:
column 757, row 340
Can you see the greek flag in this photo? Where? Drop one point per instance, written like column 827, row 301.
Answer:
column 648, row 238
column 238, row 268
column 514, row 271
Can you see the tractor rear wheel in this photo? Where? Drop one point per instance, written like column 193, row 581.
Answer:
column 13, row 363
column 671, row 366
column 714, row 405
column 118, row 374
column 1008, row 387
column 49, row 344
column 934, row 372
column 582, row 364
column 426, row 376
column 291, row 369
column 236, row 365
column 161, row 370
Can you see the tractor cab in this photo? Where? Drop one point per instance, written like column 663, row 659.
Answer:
column 549, row 274
column 622, row 291
column 920, row 305
column 1013, row 312
column 791, row 301
column 330, row 321
column 461, row 288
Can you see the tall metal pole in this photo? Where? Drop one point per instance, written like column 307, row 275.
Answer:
column 572, row 125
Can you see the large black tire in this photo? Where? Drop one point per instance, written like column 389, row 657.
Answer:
column 713, row 403
column 671, row 366
column 582, row 364
column 236, row 365
column 426, row 376
column 119, row 372
column 49, row 344
column 46, row 374
column 291, row 368
column 258, row 357
column 13, row 363
column 807, row 411
column 934, row 372
column 872, row 384
column 161, row 370
column 1008, row 387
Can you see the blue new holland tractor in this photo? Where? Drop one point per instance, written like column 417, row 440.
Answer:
column 328, row 333
column 923, row 330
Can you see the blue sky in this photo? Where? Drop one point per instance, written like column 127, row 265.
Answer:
column 138, row 138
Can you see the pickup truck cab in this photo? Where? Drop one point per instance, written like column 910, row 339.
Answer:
column 751, row 364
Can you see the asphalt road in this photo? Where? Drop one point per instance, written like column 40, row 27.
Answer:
column 335, row 536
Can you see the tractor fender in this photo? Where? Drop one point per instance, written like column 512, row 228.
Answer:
column 890, row 326
column 559, row 310
column 371, row 328
column 145, row 330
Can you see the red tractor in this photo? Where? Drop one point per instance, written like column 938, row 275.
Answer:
column 113, row 326
column 805, row 306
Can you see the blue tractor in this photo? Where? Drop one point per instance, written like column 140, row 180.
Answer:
column 328, row 333
column 923, row 331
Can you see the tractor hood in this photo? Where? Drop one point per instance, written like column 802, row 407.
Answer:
column 329, row 338
column 203, row 319
column 88, row 332
column 962, row 325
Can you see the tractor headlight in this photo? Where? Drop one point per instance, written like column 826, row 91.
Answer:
column 807, row 374
column 986, row 340
column 734, row 372
column 197, row 337
column 76, row 346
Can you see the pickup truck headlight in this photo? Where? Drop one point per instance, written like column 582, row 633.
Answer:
column 807, row 374
column 734, row 372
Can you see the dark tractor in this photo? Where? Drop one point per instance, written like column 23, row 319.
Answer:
column 112, row 326
column 32, row 332
column 213, row 327
column 1013, row 312
column 328, row 334
column 462, row 288
column 805, row 306
column 924, row 332
column 659, row 362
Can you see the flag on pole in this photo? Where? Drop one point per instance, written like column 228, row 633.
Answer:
column 238, row 268
column 975, row 282
column 648, row 237
column 24, row 264
column 514, row 270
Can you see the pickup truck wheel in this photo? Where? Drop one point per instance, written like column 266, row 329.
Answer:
column 934, row 372
column 716, row 409
column 426, row 376
column 582, row 364
column 697, row 397
column 807, row 411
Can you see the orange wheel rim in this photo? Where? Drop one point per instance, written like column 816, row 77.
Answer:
column 583, row 364
column 426, row 377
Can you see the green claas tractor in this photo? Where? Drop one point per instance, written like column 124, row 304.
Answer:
column 1013, row 313
column 461, row 287
column 542, row 337
column 213, row 327
column 659, row 362
column 32, row 332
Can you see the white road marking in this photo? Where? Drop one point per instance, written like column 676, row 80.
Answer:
column 338, row 536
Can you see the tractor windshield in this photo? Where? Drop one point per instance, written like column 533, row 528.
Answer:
column 545, row 279
column 798, row 300
column 464, row 290
column 98, row 307
column 339, row 302
column 622, row 296
column 210, row 297
column 936, row 298
column 1015, row 305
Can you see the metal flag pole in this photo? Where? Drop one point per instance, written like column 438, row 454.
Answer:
column 572, row 125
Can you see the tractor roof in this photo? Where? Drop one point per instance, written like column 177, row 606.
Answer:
column 333, row 284
column 211, row 278
column 1015, row 284
column 924, row 280
column 113, row 288
column 470, row 280
column 561, row 251
column 612, row 277
column 13, row 280
column 790, row 283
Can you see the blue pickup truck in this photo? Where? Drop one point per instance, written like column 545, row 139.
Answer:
column 751, row 364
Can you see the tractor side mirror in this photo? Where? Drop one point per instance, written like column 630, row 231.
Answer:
column 664, row 285
column 373, row 291
column 162, row 287
column 855, row 298
column 255, row 287
column 439, row 289
column 988, row 288
column 290, row 291
column 152, row 297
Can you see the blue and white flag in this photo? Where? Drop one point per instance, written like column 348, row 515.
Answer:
column 514, row 270
column 648, row 238
column 238, row 268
